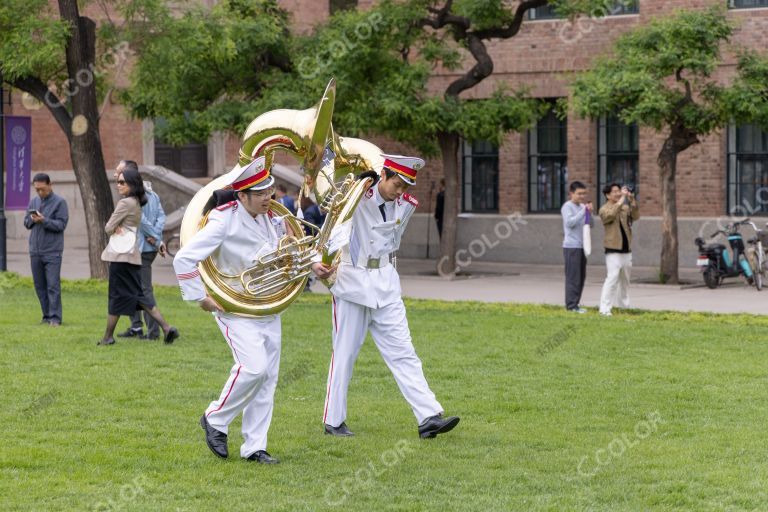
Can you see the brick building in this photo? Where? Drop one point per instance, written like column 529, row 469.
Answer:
column 529, row 173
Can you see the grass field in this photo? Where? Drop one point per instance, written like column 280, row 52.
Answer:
column 642, row 411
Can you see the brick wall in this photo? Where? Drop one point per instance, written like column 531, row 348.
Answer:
column 540, row 57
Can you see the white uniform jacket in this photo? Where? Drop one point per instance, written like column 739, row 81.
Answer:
column 233, row 238
column 371, row 238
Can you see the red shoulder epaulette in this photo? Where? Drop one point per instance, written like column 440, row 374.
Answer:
column 226, row 206
column 411, row 199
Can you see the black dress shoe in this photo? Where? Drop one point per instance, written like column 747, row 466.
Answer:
column 131, row 333
column 437, row 425
column 262, row 457
column 215, row 439
column 340, row 431
column 171, row 335
column 108, row 341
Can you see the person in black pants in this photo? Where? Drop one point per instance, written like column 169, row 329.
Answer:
column 575, row 212
column 46, row 218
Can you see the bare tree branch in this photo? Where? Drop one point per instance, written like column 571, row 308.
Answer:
column 461, row 28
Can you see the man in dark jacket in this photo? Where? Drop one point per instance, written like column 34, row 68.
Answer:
column 46, row 218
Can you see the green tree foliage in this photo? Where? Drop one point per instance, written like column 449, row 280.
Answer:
column 661, row 75
column 205, row 70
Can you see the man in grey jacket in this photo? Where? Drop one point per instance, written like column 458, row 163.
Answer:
column 574, row 213
column 46, row 218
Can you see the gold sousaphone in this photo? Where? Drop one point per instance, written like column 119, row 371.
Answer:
column 331, row 166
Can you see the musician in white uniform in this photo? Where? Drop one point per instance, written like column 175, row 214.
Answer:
column 237, row 234
column 367, row 297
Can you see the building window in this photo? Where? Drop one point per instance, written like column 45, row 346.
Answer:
column 190, row 160
column 548, row 164
column 341, row 5
column 480, row 177
column 545, row 12
column 613, row 8
column 747, row 170
column 617, row 150
column 747, row 4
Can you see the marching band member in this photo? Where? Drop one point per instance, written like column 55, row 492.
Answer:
column 237, row 233
column 367, row 297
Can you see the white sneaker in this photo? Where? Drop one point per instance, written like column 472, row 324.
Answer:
column 578, row 310
column 606, row 313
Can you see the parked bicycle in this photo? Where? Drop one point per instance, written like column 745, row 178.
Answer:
column 756, row 255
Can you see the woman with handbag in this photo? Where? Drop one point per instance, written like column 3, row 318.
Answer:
column 124, row 257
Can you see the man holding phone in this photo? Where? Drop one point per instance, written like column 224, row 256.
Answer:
column 46, row 218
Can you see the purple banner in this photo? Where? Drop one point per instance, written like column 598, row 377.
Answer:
column 18, row 161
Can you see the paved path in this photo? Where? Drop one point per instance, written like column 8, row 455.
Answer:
column 493, row 282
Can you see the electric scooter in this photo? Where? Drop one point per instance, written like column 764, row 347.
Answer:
column 717, row 263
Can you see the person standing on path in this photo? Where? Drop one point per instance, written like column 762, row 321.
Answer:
column 575, row 212
column 617, row 216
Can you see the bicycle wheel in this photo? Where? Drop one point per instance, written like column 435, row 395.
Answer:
column 755, row 262
column 172, row 245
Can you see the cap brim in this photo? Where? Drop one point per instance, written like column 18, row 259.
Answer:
column 264, row 184
column 406, row 179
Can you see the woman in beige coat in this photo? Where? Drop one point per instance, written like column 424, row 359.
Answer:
column 125, row 291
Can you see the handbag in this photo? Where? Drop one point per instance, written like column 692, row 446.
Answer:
column 123, row 243
column 587, row 235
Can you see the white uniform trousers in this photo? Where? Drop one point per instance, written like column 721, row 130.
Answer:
column 255, row 345
column 616, row 286
column 389, row 329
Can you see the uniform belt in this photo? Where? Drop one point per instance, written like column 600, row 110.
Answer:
column 370, row 263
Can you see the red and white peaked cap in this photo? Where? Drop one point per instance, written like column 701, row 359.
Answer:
column 255, row 176
column 405, row 166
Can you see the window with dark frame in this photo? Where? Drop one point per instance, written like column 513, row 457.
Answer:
column 548, row 164
column 615, row 8
column 747, row 171
column 190, row 160
column 747, row 4
column 480, row 177
column 617, row 155
column 335, row 6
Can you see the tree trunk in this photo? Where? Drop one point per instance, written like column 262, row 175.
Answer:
column 85, row 141
column 667, row 161
column 449, row 147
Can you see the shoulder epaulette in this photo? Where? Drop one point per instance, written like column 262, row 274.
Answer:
column 411, row 199
column 226, row 206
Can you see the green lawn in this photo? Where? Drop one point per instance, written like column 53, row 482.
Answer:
column 642, row 411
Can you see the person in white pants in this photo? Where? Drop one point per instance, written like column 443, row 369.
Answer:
column 237, row 233
column 367, row 297
column 617, row 216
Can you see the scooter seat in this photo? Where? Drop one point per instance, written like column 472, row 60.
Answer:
column 714, row 248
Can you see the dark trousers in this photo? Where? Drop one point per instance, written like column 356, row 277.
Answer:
column 153, row 330
column 46, row 273
column 575, row 275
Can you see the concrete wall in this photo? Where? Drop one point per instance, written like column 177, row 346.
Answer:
column 174, row 190
column 513, row 238
column 538, row 239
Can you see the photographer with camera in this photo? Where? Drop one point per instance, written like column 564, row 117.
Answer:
column 617, row 215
